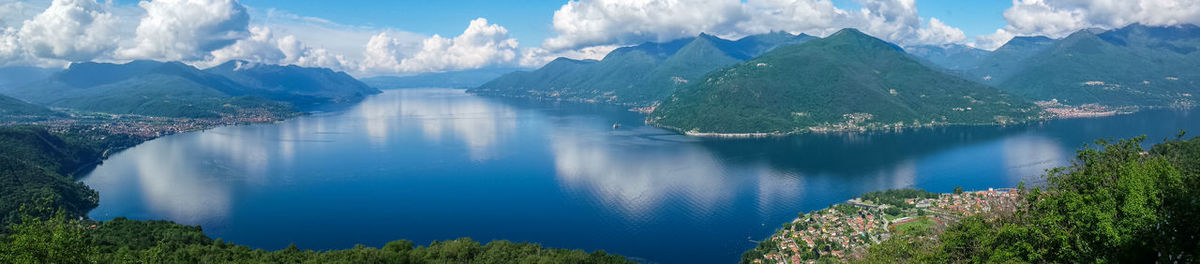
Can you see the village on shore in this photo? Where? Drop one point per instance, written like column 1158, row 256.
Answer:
column 845, row 230
column 145, row 127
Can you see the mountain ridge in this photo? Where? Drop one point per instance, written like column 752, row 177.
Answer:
column 847, row 81
column 638, row 75
column 174, row 89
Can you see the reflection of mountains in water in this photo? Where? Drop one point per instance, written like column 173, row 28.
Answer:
column 851, row 154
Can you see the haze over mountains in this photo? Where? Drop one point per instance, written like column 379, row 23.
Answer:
column 174, row 89
column 455, row 79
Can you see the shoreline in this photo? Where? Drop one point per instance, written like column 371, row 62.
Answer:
column 1054, row 116
column 847, row 229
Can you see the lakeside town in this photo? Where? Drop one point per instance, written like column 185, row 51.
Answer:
column 145, row 127
column 846, row 230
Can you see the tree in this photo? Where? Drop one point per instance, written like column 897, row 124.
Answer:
column 54, row 240
column 958, row 190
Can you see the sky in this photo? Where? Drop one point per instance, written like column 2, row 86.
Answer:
column 370, row 38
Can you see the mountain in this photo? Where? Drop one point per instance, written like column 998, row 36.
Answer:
column 638, row 75
column 301, row 86
column 951, row 56
column 1132, row 66
column 1003, row 63
column 456, row 79
column 756, row 45
column 847, row 81
column 15, row 108
column 17, row 76
column 174, row 89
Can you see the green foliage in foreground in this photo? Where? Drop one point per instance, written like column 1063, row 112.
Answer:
column 38, row 170
column 1114, row 204
column 60, row 240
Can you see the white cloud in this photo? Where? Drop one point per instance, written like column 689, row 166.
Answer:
column 480, row 45
column 384, row 52
column 1028, row 17
column 10, row 50
column 537, row 57
column 264, row 47
column 187, row 29
column 261, row 47
column 938, row 33
column 298, row 53
column 599, row 22
column 993, row 41
column 1059, row 18
column 320, row 33
column 604, row 22
column 14, row 12
column 76, row 30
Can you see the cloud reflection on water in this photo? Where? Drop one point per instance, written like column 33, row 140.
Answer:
column 173, row 185
column 1027, row 157
column 476, row 123
column 637, row 178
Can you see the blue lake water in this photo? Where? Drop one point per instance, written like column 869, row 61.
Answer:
column 436, row 164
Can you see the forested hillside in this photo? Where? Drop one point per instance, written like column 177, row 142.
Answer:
column 847, row 81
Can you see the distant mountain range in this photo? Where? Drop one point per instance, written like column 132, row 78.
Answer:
column 768, row 83
column 1133, row 66
column 953, row 57
column 175, row 89
column 15, row 108
column 847, row 81
column 17, row 76
column 456, row 79
column 639, row 75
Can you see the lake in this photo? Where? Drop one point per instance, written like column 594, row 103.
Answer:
column 437, row 164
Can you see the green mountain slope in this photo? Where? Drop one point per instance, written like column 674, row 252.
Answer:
column 38, row 167
column 951, row 56
column 1132, row 66
column 846, row 81
column 15, row 108
column 615, row 79
column 139, row 87
column 1002, row 63
column 638, row 75
column 757, row 45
